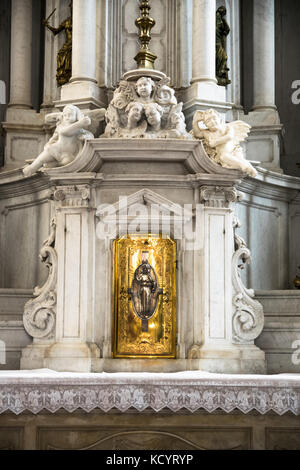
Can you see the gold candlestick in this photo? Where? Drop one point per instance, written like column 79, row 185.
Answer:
column 145, row 58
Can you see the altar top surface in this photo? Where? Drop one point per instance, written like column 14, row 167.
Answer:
column 44, row 389
column 180, row 378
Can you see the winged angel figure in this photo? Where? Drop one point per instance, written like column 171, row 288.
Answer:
column 222, row 140
column 68, row 138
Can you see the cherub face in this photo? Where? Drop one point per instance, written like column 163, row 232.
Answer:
column 135, row 112
column 165, row 95
column 69, row 115
column 144, row 88
column 213, row 122
column 153, row 116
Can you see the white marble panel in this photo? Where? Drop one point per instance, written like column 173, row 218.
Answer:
column 71, row 319
column 216, row 271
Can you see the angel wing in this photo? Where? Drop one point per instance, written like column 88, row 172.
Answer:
column 97, row 117
column 241, row 131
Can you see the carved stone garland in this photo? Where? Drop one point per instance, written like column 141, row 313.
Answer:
column 40, row 313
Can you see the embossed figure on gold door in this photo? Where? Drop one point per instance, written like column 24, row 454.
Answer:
column 145, row 291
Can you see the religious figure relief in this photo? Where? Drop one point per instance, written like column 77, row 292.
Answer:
column 221, row 141
column 145, row 291
column 222, row 31
column 67, row 140
column 145, row 109
column 64, row 56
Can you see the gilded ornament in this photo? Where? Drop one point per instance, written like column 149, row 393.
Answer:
column 222, row 31
column 64, row 56
column 145, row 58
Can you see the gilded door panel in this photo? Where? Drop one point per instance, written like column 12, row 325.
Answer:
column 144, row 297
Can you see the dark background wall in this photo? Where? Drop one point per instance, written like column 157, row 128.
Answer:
column 287, row 70
column 247, row 54
column 38, row 52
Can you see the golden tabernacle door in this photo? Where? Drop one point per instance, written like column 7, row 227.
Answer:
column 144, row 297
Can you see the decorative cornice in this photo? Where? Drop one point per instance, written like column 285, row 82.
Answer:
column 272, row 185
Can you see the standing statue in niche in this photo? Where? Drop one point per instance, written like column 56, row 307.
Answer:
column 222, row 31
column 221, row 141
column 64, row 56
column 67, row 140
column 145, row 109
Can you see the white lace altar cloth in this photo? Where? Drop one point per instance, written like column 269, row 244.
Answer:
column 44, row 389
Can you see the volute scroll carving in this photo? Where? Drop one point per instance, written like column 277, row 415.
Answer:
column 40, row 312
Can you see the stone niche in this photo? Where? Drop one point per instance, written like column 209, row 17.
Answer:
column 177, row 193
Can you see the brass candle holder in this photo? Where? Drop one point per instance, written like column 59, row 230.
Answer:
column 145, row 58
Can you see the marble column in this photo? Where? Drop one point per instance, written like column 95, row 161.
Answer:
column 24, row 127
column 83, row 90
column 204, row 92
column 21, row 57
column 204, row 41
column 264, row 118
column 264, row 55
column 84, row 41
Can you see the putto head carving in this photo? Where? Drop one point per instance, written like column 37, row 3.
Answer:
column 165, row 96
column 144, row 87
column 145, row 109
column 154, row 112
column 135, row 111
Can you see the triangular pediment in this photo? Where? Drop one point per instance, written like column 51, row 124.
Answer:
column 148, row 198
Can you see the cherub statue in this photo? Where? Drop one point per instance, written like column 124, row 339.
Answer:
column 145, row 109
column 222, row 140
column 67, row 140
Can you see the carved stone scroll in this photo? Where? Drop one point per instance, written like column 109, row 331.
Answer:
column 248, row 316
column 40, row 313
